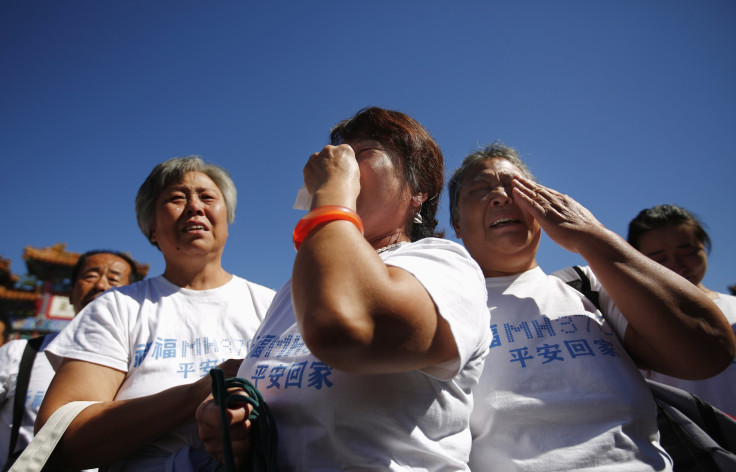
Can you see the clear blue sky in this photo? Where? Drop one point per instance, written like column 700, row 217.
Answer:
column 621, row 104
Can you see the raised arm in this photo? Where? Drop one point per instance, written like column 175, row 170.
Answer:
column 674, row 328
column 355, row 312
column 113, row 429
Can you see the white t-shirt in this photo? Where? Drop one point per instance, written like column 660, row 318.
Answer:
column 330, row 420
column 558, row 391
column 41, row 375
column 161, row 336
column 719, row 391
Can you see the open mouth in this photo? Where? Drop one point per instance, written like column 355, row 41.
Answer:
column 503, row 222
column 194, row 227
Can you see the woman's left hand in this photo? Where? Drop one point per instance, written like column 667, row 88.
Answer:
column 565, row 221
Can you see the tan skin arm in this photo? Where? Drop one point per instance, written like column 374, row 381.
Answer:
column 359, row 315
column 355, row 312
column 674, row 328
column 108, row 431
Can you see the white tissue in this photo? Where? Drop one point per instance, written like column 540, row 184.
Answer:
column 303, row 199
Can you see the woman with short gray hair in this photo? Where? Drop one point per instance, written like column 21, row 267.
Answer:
column 173, row 170
column 144, row 351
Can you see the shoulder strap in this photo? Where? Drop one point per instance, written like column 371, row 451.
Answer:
column 39, row 450
column 21, row 388
column 582, row 285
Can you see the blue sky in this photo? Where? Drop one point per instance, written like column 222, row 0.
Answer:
column 621, row 104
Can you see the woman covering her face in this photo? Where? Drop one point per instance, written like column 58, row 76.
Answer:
column 144, row 351
column 367, row 356
column 674, row 237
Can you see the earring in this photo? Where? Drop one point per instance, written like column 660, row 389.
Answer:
column 418, row 215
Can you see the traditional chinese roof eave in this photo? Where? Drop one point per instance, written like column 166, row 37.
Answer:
column 18, row 295
column 53, row 263
column 7, row 279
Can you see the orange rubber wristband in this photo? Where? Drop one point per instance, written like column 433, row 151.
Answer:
column 324, row 214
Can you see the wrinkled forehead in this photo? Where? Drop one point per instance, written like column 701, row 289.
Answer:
column 493, row 169
column 104, row 261
column 191, row 180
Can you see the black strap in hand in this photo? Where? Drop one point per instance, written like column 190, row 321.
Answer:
column 264, row 437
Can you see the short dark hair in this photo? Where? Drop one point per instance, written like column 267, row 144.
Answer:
column 135, row 274
column 421, row 159
column 664, row 215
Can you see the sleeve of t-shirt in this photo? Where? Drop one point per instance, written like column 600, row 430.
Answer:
column 262, row 298
column 98, row 334
column 727, row 304
column 457, row 287
column 10, row 355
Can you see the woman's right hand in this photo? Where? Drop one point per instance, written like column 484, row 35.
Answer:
column 210, row 430
column 332, row 176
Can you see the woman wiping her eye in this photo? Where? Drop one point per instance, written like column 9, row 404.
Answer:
column 367, row 357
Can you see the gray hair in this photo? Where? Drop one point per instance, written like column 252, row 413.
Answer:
column 497, row 150
column 172, row 171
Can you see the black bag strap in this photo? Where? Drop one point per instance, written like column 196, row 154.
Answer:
column 584, row 287
column 21, row 388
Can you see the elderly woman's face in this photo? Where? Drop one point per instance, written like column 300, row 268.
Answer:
column 677, row 248
column 384, row 194
column 500, row 236
column 190, row 218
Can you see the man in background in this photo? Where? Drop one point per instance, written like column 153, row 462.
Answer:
column 95, row 272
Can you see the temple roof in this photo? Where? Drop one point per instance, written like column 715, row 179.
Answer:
column 7, row 279
column 52, row 263
column 18, row 303
column 19, row 295
column 56, row 254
